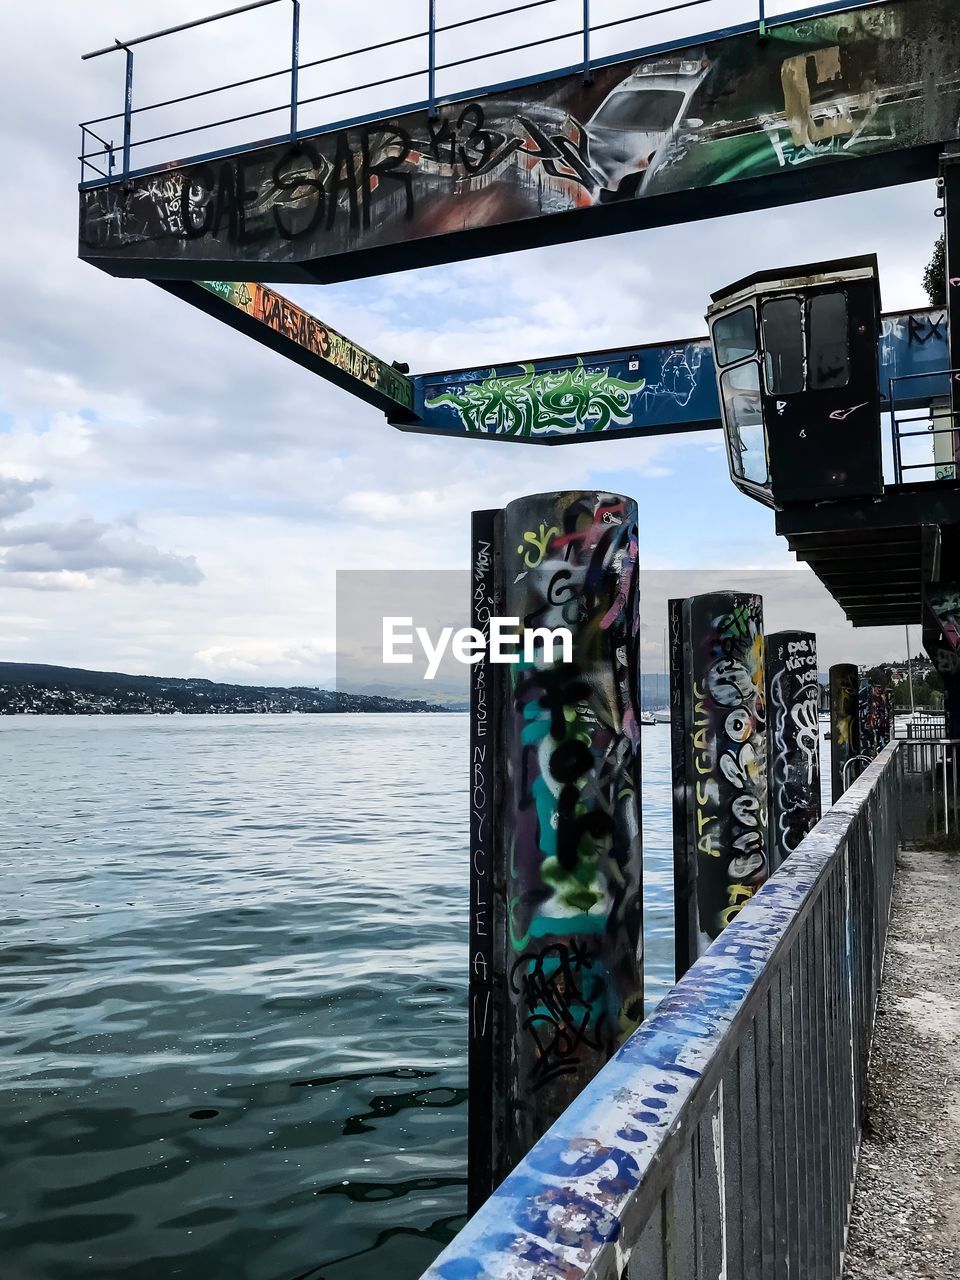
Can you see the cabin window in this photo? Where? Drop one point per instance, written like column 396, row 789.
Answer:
column 740, row 389
column 735, row 336
column 828, row 346
column 782, row 320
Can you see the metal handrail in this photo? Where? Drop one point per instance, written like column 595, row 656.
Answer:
column 898, row 418
column 844, row 772
column 296, row 68
column 722, row 1138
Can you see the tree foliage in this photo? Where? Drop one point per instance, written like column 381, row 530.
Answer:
column 935, row 276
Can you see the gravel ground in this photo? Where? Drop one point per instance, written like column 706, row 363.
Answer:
column 906, row 1215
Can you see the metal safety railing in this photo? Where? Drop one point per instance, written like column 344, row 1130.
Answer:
column 924, row 725
column 723, row 1137
column 930, row 791
column 104, row 159
column 933, row 423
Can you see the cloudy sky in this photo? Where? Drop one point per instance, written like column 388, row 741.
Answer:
column 176, row 500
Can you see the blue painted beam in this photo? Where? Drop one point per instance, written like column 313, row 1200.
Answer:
column 653, row 389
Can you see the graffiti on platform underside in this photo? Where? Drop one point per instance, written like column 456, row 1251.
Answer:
column 557, row 400
column 726, row 754
column 309, row 333
column 572, row 759
column 854, row 84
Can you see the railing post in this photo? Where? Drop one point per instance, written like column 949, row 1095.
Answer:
column 294, row 69
column 431, row 58
column 895, row 437
column 127, row 114
column 587, row 72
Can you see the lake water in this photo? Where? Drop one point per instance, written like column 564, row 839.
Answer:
column 233, row 992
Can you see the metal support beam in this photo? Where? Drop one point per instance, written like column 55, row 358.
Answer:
column 278, row 323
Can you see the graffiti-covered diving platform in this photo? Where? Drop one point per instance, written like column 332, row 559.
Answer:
column 825, row 101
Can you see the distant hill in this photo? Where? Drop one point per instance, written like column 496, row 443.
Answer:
column 36, row 688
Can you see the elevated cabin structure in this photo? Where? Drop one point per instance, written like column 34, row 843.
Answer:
column 801, row 403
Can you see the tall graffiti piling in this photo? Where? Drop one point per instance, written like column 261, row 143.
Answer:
column 793, row 740
column 725, row 752
column 567, row 830
column 844, row 723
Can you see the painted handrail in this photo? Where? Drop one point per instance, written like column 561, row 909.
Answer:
column 290, row 107
column 722, row 1139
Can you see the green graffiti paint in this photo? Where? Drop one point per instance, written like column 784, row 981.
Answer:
column 532, row 404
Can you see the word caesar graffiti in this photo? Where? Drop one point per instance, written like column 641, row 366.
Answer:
column 817, row 93
column 569, row 816
column 557, row 400
column 793, row 743
column 725, row 722
column 310, row 334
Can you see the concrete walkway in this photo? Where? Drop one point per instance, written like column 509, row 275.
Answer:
column 906, row 1215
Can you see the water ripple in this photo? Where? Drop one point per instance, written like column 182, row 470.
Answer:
column 233, row 984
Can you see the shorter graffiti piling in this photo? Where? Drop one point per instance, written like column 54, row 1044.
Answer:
column 725, row 756
column 793, row 742
column 844, row 724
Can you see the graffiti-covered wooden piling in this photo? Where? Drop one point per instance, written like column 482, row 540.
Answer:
column 485, row 992
column 566, row 851
column 844, row 723
column 793, row 740
column 875, row 720
column 685, row 927
column 725, row 757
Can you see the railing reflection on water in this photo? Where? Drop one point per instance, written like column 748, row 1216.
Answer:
column 723, row 1137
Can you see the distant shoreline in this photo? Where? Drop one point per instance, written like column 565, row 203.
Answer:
column 38, row 689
